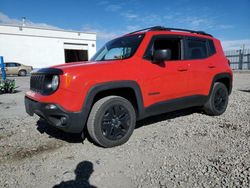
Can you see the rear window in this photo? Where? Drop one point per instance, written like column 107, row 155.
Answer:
column 211, row 48
column 196, row 49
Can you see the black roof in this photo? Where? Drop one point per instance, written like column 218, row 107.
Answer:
column 161, row 28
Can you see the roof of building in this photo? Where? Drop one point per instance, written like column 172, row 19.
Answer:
column 46, row 28
column 23, row 30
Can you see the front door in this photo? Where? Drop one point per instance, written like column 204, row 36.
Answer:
column 166, row 80
column 11, row 68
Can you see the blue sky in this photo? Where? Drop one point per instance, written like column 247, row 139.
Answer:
column 227, row 20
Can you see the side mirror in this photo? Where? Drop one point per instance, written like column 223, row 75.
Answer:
column 161, row 55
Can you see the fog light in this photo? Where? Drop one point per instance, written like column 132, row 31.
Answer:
column 50, row 107
column 63, row 120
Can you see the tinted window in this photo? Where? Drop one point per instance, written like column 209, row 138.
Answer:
column 211, row 47
column 162, row 42
column 196, row 49
column 10, row 65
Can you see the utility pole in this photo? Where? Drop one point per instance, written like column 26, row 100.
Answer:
column 23, row 21
column 248, row 59
column 241, row 57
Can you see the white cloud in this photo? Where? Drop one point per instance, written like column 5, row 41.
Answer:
column 12, row 21
column 152, row 20
column 101, row 33
column 235, row 44
column 6, row 20
column 131, row 28
column 143, row 20
column 103, row 3
column 199, row 23
column 113, row 8
column 129, row 15
column 223, row 26
column 168, row 17
column 106, row 35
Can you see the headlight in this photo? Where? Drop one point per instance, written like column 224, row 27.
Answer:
column 55, row 82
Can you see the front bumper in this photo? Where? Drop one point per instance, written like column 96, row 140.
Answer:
column 72, row 122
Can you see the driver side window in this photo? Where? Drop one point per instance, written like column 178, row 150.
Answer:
column 159, row 43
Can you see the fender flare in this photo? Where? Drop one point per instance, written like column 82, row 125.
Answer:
column 94, row 90
column 220, row 76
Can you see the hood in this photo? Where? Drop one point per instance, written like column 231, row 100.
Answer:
column 73, row 64
column 68, row 67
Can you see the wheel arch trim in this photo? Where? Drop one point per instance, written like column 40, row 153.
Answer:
column 94, row 90
column 221, row 76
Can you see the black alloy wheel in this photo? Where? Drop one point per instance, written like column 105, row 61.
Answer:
column 218, row 100
column 115, row 122
column 111, row 121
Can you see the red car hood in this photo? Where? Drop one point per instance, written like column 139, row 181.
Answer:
column 82, row 64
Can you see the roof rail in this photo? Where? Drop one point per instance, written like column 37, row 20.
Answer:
column 154, row 28
column 190, row 31
column 161, row 28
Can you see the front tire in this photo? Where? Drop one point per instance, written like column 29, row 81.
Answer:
column 111, row 121
column 218, row 100
column 22, row 73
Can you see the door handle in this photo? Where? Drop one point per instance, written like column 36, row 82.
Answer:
column 182, row 68
column 211, row 66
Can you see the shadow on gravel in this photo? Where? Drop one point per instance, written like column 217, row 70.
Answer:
column 44, row 127
column 167, row 116
column 245, row 90
column 24, row 153
column 14, row 92
column 83, row 172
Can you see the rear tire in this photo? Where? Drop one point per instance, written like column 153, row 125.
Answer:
column 22, row 73
column 111, row 121
column 218, row 100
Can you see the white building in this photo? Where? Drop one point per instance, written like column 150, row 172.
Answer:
column 41, row 47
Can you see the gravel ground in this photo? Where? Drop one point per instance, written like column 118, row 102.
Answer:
column 181, row 149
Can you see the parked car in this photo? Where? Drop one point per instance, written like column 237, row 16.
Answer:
column 144, row 73
column 13, row 68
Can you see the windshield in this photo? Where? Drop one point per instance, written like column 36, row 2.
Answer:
column 120, row 48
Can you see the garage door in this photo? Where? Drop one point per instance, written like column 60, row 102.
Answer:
column 75, row 52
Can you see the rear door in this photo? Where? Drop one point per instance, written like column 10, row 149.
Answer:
column 196, row 54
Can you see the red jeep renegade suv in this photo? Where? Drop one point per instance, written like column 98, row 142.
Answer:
column 143, row 73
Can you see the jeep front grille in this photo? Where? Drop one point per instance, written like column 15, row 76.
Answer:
column 37, row 82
